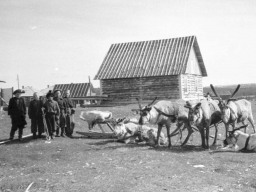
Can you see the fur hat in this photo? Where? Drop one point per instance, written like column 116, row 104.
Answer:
column 18, row 91
column 49, row 94
column 56, row 90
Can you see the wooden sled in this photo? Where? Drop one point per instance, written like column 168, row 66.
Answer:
column 99, row 135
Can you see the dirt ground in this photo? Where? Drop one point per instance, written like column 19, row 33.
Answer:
column 87, row 164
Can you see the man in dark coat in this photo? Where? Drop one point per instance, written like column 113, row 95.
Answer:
column 17, row 112
column 63, row 109
column 69, row 112
column 36, row 116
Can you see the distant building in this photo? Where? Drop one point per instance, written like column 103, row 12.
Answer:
column 28, row 95
column 79, row 92
column 167, row 69
column 6, row 95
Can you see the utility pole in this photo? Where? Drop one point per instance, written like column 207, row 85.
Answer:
column 18, row 81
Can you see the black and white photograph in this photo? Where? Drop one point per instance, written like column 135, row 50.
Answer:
column 127, row 95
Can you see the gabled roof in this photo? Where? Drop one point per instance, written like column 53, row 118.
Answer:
column 46, row 90
column 29, row 91
column 149, row 58
column 76, row 89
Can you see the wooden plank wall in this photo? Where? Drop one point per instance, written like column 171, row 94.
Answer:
column 147, row 88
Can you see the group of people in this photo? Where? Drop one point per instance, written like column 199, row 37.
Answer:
column 53, row 114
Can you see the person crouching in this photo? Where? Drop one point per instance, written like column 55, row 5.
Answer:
column 52, row 113
column 36, row 116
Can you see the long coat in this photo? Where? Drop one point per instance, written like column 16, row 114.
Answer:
column 17, row 111
column 35, row 109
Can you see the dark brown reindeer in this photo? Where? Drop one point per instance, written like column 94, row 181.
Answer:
column 234, row 111
column 164, row 113
column 203, row 115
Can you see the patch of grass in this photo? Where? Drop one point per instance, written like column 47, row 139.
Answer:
column 86, row 164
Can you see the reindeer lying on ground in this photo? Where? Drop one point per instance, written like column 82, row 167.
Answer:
column 164, row 113
column 235, row 111
column 202, row 115
column 96, row 117
column 128, row 130
column 239, row 141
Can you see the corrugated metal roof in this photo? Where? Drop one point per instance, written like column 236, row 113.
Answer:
column 149, row 58
column 76, row 89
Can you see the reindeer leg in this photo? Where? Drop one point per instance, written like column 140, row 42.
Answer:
column 180, row 136
column 227, row 126
column 201, row 130
column 169, row 136
column 190, row 131
column 178, row 128
column 250, row 119
column 216, row 134
column 158, row 135
column 101, row 128
column 207, row 136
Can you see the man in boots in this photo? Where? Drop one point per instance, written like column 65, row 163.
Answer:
column 62, row 120
column 36, row 116
column 69, row 112
column 52, row 112
column 17, row 112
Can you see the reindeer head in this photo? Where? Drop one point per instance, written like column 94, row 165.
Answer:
column 144, row 111
column 223, row 104
column 232, row 136
column 118, row 126
column 194, row 113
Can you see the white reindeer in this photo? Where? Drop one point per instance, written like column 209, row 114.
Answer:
column 96, row 117
column 128, row 130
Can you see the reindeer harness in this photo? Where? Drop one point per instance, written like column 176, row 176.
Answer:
column 166, row 115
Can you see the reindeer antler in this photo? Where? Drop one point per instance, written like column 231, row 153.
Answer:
column 139, row 103
column 153, row 101
column 241, row 127
column 237, row 88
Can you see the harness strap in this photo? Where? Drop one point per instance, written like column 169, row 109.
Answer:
column 164, row 114
column 246, row 143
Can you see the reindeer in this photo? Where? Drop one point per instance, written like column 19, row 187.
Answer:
column 128, row 130
column 164, row 113
column 203, row 115
column 96, row 117
column 239, row 141
column 234, row 111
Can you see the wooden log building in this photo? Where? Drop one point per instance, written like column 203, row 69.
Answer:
column 167, row 69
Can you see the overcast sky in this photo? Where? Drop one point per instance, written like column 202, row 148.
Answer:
column 63, row 41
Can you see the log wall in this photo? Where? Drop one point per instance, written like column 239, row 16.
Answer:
column 146, row 88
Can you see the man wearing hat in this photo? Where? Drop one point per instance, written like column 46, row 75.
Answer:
column 70, row 110
column 52, row 113
column 63, row 108
column 17, row 112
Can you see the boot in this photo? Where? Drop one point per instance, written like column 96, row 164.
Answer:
column 34, row 136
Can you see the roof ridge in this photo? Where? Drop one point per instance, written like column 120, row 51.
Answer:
column 154, row 40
